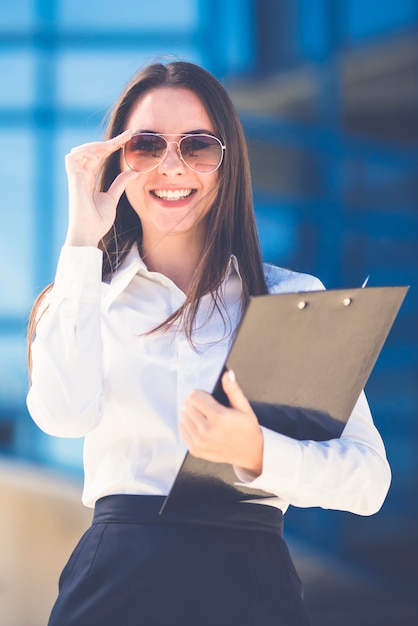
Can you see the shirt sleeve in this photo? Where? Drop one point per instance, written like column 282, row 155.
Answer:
column 65, row 396
column 350, row 473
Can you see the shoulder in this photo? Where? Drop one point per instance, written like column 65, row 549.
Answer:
column 281, row 280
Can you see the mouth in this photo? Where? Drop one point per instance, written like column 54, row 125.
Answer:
column 172, row 195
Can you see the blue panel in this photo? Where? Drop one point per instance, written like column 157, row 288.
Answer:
column 312, row 29
column 92, row 78
column 227, row 36
column 13, row 377
column 366, row 18
column 104, row 14
column 16, row 78
column 17, row 14
column 17, row 221
column 278, row 231
column 63, row 453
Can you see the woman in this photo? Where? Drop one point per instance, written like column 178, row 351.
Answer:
column 160, row 258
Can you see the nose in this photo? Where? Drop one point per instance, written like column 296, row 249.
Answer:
column 171, row 163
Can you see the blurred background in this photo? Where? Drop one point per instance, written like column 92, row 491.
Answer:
column 328, row 94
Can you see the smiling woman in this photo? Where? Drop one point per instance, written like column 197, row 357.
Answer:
column 160, row 259
column 171, row 198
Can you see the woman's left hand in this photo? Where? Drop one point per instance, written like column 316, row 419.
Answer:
column 223, row 434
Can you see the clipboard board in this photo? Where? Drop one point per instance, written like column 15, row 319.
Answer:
column 302, row 359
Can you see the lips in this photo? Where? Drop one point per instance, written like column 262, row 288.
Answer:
column 172, row 195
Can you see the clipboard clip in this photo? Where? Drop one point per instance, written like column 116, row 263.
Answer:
column 348, row 301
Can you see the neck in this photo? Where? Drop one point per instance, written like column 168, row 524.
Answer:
column 176, row 257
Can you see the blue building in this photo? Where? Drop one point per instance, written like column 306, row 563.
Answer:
column 328, row 94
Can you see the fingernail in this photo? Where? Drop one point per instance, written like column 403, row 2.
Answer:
column 231, row 376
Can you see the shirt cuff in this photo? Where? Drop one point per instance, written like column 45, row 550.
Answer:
column 282, row 459
column 79, row 274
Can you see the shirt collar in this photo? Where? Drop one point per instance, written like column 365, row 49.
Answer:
column 133, row 264
column 233, row 266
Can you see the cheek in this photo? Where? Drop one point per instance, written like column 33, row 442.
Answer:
column 211, row 184
column 212, row 189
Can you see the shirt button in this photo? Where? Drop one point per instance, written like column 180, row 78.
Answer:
column 189, row 376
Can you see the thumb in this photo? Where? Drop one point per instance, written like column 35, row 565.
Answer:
column 234, row 393
column 118, row 186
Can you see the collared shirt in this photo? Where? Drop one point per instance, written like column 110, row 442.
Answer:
column 99, row 374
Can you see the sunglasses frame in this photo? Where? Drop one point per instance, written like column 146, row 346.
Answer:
column 178, row 143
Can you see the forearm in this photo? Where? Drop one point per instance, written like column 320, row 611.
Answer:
column 350, row 473
column 66, row 383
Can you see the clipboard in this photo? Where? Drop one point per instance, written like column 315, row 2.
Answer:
column 302, row 359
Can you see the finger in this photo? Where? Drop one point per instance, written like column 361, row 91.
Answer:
column 193, row 418
column 122, row 138
column 108, row 146
column 205, row 404
column 189, row 433
column 116, row 143
column 234, row 393
column 189, row 430
column 85, row 159
column 92, row 154
column 188, row 440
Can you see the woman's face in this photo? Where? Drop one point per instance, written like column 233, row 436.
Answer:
column 172, row 198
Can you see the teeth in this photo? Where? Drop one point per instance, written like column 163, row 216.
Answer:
column 172, row 194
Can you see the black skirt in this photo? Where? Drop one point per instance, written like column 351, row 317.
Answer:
column 217, row 566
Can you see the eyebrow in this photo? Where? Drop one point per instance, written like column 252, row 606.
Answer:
column 199, row 131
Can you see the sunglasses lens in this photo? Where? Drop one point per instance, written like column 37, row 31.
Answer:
column 202, row 153
column 144, row 151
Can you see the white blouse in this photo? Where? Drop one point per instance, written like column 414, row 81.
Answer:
column 98, row 375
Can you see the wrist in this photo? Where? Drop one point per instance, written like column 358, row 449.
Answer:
column 253, row 464
column 81, row 241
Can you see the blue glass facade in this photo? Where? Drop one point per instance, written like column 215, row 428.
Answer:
column 334, row 164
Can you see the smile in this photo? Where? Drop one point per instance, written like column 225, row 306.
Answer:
column 172, row 194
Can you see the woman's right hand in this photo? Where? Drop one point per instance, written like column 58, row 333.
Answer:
column 92, row 212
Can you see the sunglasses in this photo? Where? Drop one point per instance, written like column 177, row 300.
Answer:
column 200, row 152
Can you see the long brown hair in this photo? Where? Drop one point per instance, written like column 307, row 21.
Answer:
column 231, row 227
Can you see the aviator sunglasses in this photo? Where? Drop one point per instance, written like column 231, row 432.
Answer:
column 200, row 152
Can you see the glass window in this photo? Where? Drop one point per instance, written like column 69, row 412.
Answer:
column 380, row 186
column 16, row 218
column 95, row 79
column 103, row 14
column 313, row 29
column 16, row 14
column 13, row 371
column 366, row 18
column 16, row 78
column 285, row 170
column 278, row 231
column 65, row 453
